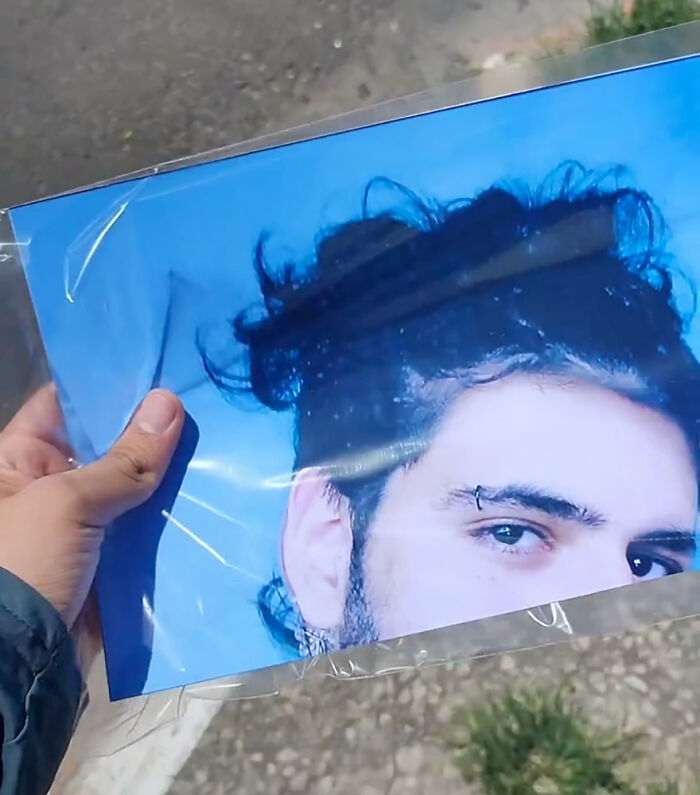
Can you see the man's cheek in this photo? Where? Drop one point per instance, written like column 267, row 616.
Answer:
column 393, row 571
column 418, row 580
column 379, row 565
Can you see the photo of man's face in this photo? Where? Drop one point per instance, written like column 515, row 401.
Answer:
column 436, row 368
column 535, row 382
column 533, row 489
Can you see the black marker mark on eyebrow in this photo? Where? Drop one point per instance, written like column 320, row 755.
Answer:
column 530, row 498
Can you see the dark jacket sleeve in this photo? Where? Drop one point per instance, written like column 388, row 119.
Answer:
column 40, row 686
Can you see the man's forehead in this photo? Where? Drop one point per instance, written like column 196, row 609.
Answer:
column 589, row 445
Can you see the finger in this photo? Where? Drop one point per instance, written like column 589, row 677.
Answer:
column 40, row 418
column 24, row 460
column 134, row 468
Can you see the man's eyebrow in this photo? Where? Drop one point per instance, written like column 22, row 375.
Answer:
column 528, row 497
column 672, row 539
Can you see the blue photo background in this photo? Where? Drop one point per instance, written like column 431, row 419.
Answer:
column 123, row 276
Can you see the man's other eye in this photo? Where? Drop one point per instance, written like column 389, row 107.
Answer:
column 518, row 537
column 648, row 566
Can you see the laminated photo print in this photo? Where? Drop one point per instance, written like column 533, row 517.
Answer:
column 436, row 369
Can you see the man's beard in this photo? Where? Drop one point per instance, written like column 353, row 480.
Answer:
column 358, row 624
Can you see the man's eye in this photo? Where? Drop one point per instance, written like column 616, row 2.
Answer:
column 515, row 535
column 646, row 566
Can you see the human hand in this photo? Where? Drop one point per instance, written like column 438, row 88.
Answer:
column 52, row 516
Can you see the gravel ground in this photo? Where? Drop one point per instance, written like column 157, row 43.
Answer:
column 91, row 92
column 387, row 736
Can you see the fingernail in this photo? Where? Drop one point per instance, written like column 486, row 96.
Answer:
column 156, row 413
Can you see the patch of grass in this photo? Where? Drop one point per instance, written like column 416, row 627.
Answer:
column 541, row 743
column 638, row 16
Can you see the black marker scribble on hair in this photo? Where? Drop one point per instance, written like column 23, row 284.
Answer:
column 570, row 278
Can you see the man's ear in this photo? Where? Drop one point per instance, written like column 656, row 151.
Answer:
column 316, row 549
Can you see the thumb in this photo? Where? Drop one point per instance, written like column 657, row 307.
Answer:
column 134, row 467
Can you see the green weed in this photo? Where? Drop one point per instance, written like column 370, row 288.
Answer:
column 542, row 744
column 638, row 16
